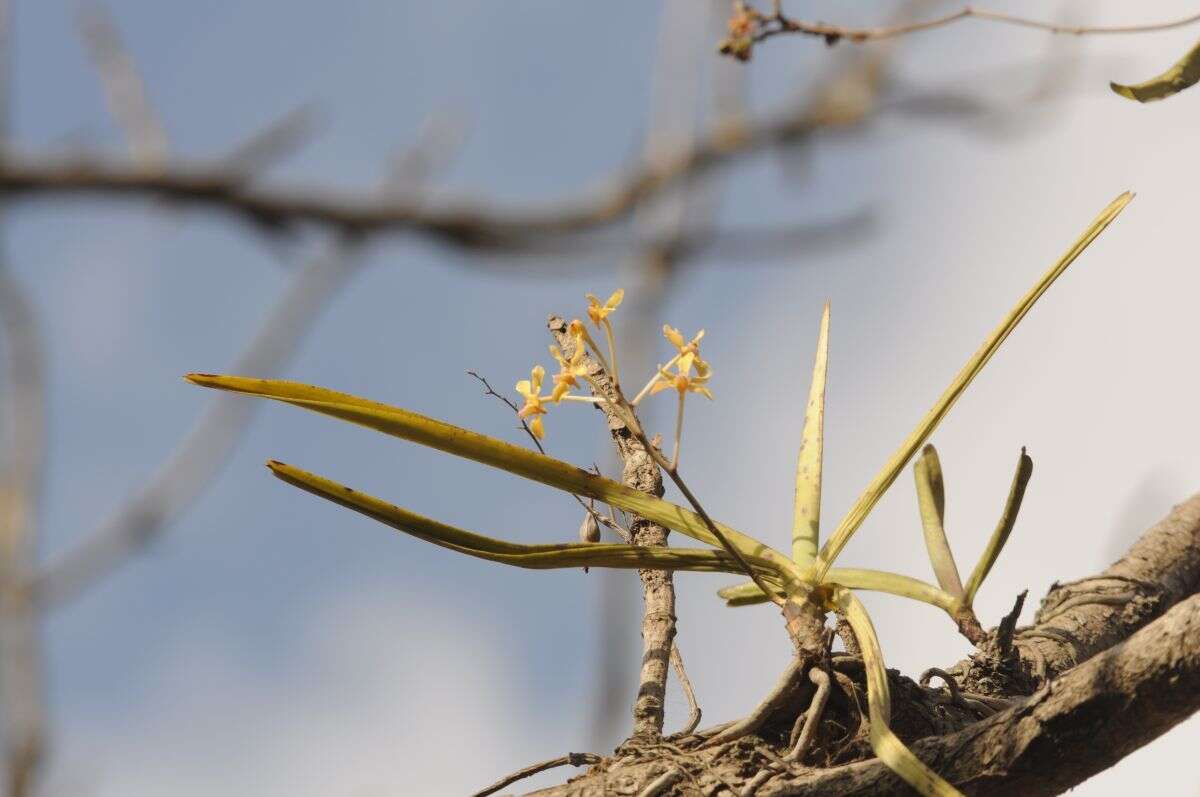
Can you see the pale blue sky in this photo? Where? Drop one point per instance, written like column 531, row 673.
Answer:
column 274, row 644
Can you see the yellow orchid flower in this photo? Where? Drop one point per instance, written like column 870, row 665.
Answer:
column 682, row 380
column 599, row 313
column 675, row 338
column 570, row 371
column 530, row 389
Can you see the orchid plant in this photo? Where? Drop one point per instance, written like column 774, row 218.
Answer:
column 805, row 580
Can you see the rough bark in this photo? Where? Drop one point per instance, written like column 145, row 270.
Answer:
column 638, row 470
column 1111, row 663
column 1078, row 724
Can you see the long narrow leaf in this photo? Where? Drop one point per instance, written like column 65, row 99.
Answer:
column 920, row 434
column 806, row 522
column 490, row 451
column 1183, row 74
column 1008, row 518
column 537, row 557
column 931, row 500
column 886, row 745
column 748, row 594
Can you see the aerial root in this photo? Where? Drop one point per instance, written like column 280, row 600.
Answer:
column 783, row 693
column 803, row 733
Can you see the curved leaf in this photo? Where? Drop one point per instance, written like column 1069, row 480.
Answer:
column 1183, row 74
column 931, row 500
column 886, row 745
column 538, row 557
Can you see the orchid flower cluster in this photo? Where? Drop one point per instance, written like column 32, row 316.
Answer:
column 805, row 579
column 691, row 373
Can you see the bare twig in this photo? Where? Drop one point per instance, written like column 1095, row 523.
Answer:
column 124, row 89
column 570, row 759
column 759, row 26
column 215, row 185
column 605, row 520
column 279, row 139
column 639, row 472
column 694, row 713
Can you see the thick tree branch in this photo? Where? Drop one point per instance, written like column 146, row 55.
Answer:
column 1077, row 725
column 1112, row 663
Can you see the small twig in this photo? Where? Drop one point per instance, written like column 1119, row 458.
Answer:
column 607, row 521
column 777, row 23
column 685, row 683
column 1004, row 633
column 572, row 759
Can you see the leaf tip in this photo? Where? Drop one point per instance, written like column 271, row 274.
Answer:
column 1125, row 91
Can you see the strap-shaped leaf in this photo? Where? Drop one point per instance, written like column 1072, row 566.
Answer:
column 806, row 521
column 1008, row 518
column 886, row 745
column 931, row 500
column 1183, row 74
column 496, row 453
column 748, row 594
column 537, row 557
column 883, row 480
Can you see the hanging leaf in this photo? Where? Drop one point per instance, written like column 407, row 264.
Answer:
column 537, row 557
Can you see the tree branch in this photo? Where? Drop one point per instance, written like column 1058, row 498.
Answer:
column 1080, row 724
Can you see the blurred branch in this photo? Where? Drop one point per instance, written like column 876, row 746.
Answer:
column 20, row 489
column 124, row 89
column 748, row 26
column 217, row 186
column 199, row 457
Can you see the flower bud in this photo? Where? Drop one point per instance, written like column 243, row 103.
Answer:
column 589, row 529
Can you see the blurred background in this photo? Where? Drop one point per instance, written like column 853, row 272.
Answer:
column 264, row 642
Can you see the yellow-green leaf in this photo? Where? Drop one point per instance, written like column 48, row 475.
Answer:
column 537, row 557
column 1183, row 74
column 883, row 480
column 490, row 451
column 748, row 594
column 806, row 521
column 931, row 500
column 886, row 745
column 1008, row 518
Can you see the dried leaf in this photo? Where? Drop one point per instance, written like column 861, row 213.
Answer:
column 1183, row 74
